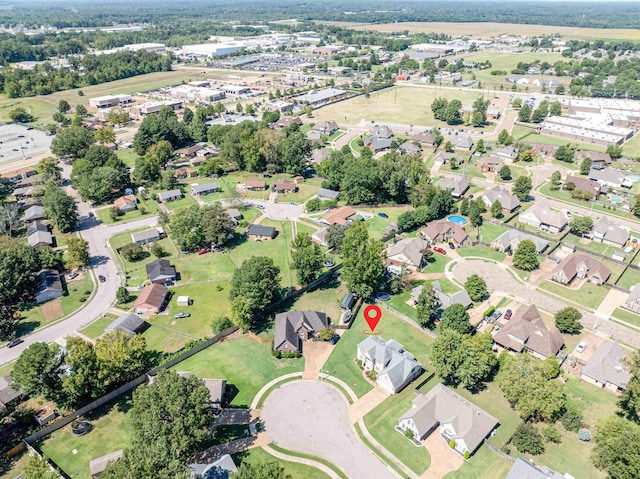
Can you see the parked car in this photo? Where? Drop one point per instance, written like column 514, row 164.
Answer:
column 14, row 342
column 581, row 347
column 70, row 276
column 569, row 214
column 507, row 314
column 102, row 279
column 204, row 251
column 347, row 317
column 383, row 215
column 334, row 339
column 495, row 315
column 437, row 249
column 329, row 262
column 470, row 197
column 260, row 206
column 181, row 315
column 451, row 245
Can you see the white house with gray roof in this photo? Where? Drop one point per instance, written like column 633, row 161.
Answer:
column 170, row 195
column 203, row 189
column 458, row 420
column 406, row 255
column 607, row 368
column 605, row 231
column 633, row 300
column 610, row 177
column 511, row 239
column 327, row 194
column 523, row 469
column 457, row 186
column 394, row 366
column 508, row 201
column 220, row 468
column 541, row 216
column 445, row 299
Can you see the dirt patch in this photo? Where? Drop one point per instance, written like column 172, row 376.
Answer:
column 52, row 310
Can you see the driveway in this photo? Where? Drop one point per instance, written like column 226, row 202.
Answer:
column 443, row 458
column 275, row 211
column 313, row 417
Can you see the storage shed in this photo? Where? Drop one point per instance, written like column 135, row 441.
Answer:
column 184, row 301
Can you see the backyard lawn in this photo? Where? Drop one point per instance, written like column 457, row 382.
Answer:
column 436, row 264
column 295, row 470
column 326, row 298
column 482, row 252
column 630, row 278
column 111, row 431
column 376, row 224
column 588, row 295
column 162, row 340
column 490, row 231
column 246, row 365
column 594, row 246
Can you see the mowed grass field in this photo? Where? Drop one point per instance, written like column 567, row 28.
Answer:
column 493, row 29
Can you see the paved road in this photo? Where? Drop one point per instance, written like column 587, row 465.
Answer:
column 275, row 211
column 319, row 426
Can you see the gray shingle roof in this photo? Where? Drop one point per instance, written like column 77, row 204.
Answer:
column 261, row 230
column 7, row 392
column 164, row 195
column 219, row 468
column 145, row 235
column 129, row 323
column 205, row 187
column 607, row 365
column 288, row 324
column 507, row 200
column 160, row 268
column 510, row 239
column 398, row 363
column 457, row 186
column 410, row 248
column 49, row 279
column 326, row 193
column 528, row 326
column 603, row 228
column 523, row 469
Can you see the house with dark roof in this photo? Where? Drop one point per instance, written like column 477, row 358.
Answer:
column 395, row 367
column 445, row 231
column 326, row 194
column 185, row 172
column 40, row 239
column 490, row 164
column 35, row 212
column 426, row 138
column 376, row 144
column 9, row 393
column 37, row 225
column 128, row 323
column 596, row 157
column 408, row 148
column 171, row 195
column 583, row 267
column 188, row 152
column 457, row 186
column 339, row 216
column 261, row 232
column 607, row 368
column 523, row 469
column 511, row 239
column 146, row 236
column 406, row 255
column 582, row 184
column 459, row 420
column 294, row 327
column 541, row 216
column 49, row 286
column 462, row 142
column 220, row 468
column 160, row 271
column 605, row 231
column 203, row 189
column 508, row 201
column 610, row 177
column 526, row 331
column 151, row 299
column 445, row 299
column 99, row 464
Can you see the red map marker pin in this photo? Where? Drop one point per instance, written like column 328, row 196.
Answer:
column 372, row 314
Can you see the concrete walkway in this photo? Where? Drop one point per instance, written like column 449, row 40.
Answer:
column 383, row 450
column 316, row 354
column 301, row 460
column 366, row 403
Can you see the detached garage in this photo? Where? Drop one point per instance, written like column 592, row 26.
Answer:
column 184, row 301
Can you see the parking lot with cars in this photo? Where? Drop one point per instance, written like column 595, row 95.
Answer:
column 18, row 142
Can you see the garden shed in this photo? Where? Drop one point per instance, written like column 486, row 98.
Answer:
column 184, row 301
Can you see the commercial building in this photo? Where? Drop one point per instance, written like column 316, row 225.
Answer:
column 317, row 97
column 144, row 109
column 196, row 94
column 109, row 101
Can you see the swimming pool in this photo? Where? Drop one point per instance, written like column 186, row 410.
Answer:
column 633, row 178
column 615, row 199
column 459, row 220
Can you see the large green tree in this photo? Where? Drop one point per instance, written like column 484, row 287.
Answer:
column 455, row 317
column 363, row 267
column 77, row 253
column 427, row 306
column 60, row 208
column 476, row 287
column 294, row 151
column 121, row 358
column 217, row 226
column 522, row 187
column 254, row 286
column 616, row 449
column 18, row 265
column 37, row 371
column 72, row 143
column 581, row 225
column 82, row 384
column 525, row 257
column 630, row 400
column 38, row 468
column 568, row 320
column 49, row 170
column 306, row 258
column 162, row 126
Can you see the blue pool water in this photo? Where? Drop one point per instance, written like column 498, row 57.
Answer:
column 459, row 220
column 633, row 178
column 615, row 199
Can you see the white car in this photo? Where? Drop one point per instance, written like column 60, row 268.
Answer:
column 581, row 347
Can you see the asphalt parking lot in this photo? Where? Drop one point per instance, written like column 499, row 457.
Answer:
column 313, row 417
column 19, row 142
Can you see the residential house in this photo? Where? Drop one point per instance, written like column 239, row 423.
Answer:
column 294, row 327
column 320, row 154
column 633, row 300
column 444, row 157
column 45, row 415
column 540, row 150
column 382, row 131
column 526, row 331
column 9, row 395
column 391, row 228
column 583, row 267
column 490, row 164
column 34, row 213
column 457, row 186
column 409, row 148
column 462, row 142
column 18, row 174
column 406, row 255
column 605, row 231
column 325, row 128
column 518, row 80
column 339, row 216
column 395, row 367
column 146, row 236
column 459, row 420
column 508, row 154
column 286, row 122
column 284, row 186
column 511, row 239
column 128, row 323
column 596, row 157
column 376, row 144
column 26, row 203
column 445, row 299
column 326, row 194
column 543, row 217
column 234, row 214
column 49, row 286
column 222, row 467
column 445, row 231
column 610, row 177
column 217, row 390
column 583, row 184
column 25, row 192
column 523, row 469
column 203, row 189
column 160, row 271
column 36, row 225
column 320, row 237
column 126, row 203
column 426, row 138
column 255, row 184
column 40, row 239
column 314, row 136
column 188, row 152
column 607, row 368
column 165, row 196
column 151, row 299
column 98, row 465
column 508, row 201
column 261, row 232
column 185, row 172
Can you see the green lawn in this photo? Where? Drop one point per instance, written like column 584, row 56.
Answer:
column 341, row 363
column 326, row 298
column 630, row 278
column 381, row 422
column 516, row 171
column 77, row 290
column 111, row 431
column 626, row 316
column 485, row 464
column 96, row 328
column 526, row 134
column 128, row 157
column 194, row 268
column 145, row 207
column 437, row 263
column 186, row 200
column 594, row 246
column 471, row 171
column 482, row 252
column 294, row 469
column 15, row 466
column 490, row 231
column 135, row 271
column 588, row 295
column 399, row 303
column 246, row 365
column 159, row 339
column 376, row 224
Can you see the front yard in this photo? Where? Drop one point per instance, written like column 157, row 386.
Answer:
column 588, row 295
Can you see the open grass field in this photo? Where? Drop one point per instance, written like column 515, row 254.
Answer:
column 588, row 295
column 246, row 365
column 493, row 29
column 401, row 105
column 529, row 136
column 326, row 299
column 507, row 61
column 295, row 470
column 376, row 224
column 163, row 340
column 341, row 363
column 111, row 431
column 43, row 107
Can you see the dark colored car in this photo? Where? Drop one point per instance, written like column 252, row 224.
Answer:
column 181, row 315
column 383, row 215
column 334, row 339
column 14, row 342
column 451, row 245
column 102, row 279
